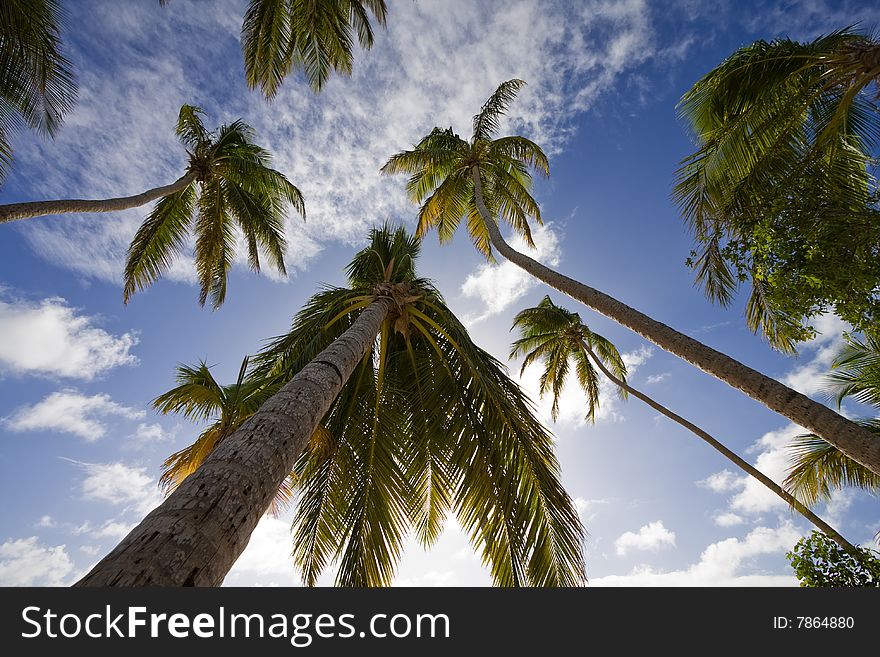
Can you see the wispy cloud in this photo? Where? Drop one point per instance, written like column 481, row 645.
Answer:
column 69, row 411
column 120, row 485
column 119, row 139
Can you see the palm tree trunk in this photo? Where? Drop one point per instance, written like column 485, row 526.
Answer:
column 15, row 211
column 197, row 533
column 732, row 456
column 854, row 441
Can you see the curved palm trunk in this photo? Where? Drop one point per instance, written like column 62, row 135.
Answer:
column 197, row 533
column 732, row 456
column 854, row 441
column 15, row 211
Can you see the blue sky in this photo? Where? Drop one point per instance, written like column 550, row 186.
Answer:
column 80, row 447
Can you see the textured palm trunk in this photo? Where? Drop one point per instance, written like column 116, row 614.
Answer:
column 854, row 441
column 197, row 533
column 732, row 456
column 15, row 211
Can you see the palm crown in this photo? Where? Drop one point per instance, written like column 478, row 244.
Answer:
column 37, row 85
column 556, row 336
column 232, row 185
column 279, row 36
column 199, row 397
column 442, row 166
column 784, row 132
column 428, row 424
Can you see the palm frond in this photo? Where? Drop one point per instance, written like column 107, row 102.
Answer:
column 486, row 121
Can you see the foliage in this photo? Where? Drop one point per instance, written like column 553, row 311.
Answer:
column 818, row 467
column 820, row 562
column 279, row 36
column 37, row 83
column 199, row 397
column 429, row 424
column 233, row 185
column 780, row 192
column 441, row 170
column 557, row 337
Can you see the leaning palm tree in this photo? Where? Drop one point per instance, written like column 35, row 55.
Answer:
column 279, row 36
column 487, row 180
column 37, row 84
column 558, row 337
column 420, row 422
column 785, row 131
column 818, row 467
column 199, row 397
column 228, row 182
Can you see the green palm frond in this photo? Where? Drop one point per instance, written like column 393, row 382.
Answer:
column 160, row 239
column 440, row 169
column 279, row 36
column 486, row 121
column 856, row 371
column 818, row 468
column 37, row 82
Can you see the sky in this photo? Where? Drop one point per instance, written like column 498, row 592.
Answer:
column 80, row 446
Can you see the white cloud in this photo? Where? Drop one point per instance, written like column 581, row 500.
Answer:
column 71, row 412
column 266, row 560
column 27, row 562
column 809, row 378
column 51, row 338
column 652, row 536
column 720, row 564
column 47, row 522
column 721, row 482
column 728, row 519
column 120, row 485
column 498, row 286
column 147, row 434
column 657, row 378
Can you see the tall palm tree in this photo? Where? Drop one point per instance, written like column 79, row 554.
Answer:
column 420, row 422
column 487, row 180
column 818, row 467
column 279, row 36
column 785, row 131
column 557, row 336
column 199, row 397
column 37, row 83
column 228, row 182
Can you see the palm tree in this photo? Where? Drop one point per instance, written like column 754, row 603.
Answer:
column 818, row 467
column 37, row 84
column 487, row 179
column 419, row 421
column 199, row 397
column 279, row 36
column 558, row 337
column 784, row 132
column 227, row 183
